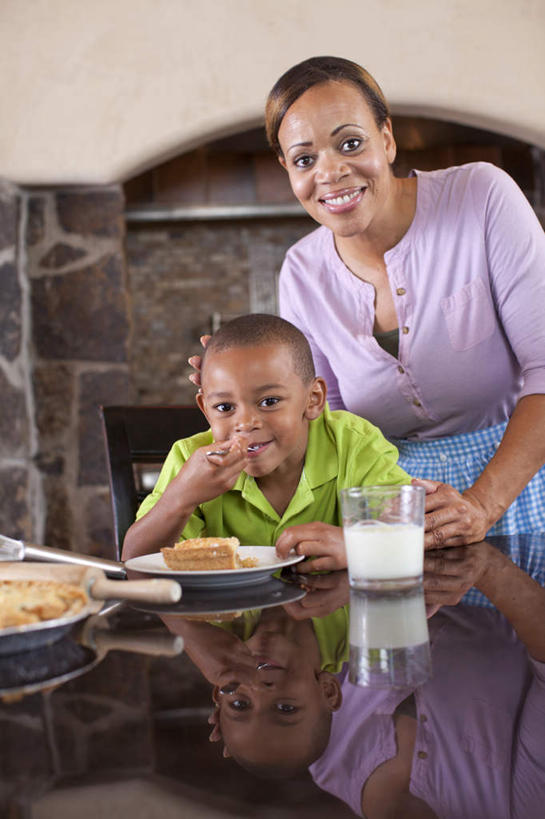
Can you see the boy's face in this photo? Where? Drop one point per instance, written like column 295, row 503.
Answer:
column 254, row 392
column 273, row 714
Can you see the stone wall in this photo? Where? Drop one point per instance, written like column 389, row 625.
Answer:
column 64, row 351
column 19, row 481
column 186, row 277
column 78, row 330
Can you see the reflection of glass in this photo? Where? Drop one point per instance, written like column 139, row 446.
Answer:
column 384, row 534
column 384, row 537
column 389, row 644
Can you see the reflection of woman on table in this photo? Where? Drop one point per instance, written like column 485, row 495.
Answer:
column 423, row 299
column 470, row 742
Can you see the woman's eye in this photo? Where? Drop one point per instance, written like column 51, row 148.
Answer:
column 303, row 161
column 285, row 708
column 269, row 402
column 225, row 407
column 351, row 144
column 239, row 705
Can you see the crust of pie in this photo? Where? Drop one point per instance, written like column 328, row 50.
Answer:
column 23, row 602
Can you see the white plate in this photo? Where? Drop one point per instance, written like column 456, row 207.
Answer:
column 267, row 563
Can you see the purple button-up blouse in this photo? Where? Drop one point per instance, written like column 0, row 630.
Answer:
column 468, row 283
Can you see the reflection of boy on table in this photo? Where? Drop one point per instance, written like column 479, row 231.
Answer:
column 275, row 684
column 286, row 455
column 470, row 742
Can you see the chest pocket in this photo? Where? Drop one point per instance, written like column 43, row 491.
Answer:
column 469, row 315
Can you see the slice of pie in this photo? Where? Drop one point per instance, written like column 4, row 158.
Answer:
column 205, row 554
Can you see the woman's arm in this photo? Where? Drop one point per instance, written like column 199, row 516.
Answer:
column 454, row 519
column 450, row 573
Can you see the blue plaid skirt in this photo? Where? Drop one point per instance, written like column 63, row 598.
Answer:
column 459, row 460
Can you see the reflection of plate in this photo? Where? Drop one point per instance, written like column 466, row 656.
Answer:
column 268, row 563
column 224, row 601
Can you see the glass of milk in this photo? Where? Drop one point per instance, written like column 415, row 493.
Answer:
column 384, row 535
column 384, row 538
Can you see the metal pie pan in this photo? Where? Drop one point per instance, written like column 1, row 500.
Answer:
column 16, row 639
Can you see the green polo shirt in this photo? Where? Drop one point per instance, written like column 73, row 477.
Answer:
column 343, row 450
column 331, row 634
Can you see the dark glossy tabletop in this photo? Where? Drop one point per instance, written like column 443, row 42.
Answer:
column 112, row 720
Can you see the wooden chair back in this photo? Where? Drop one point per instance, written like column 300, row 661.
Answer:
column 137, row 440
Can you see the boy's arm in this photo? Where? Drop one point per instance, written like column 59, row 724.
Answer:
column 202, row 478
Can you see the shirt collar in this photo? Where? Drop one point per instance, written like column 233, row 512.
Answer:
column 321, row 461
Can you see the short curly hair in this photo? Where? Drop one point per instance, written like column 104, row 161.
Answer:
column 263, row 329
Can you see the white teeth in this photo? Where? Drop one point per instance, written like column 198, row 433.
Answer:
column 342, row 200
column 253, row 447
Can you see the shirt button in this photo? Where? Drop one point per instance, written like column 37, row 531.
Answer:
column 422, row 755
column 442, row 457
column 405, row 330
column 400, row 369
column 401, row 291
column 416, row 402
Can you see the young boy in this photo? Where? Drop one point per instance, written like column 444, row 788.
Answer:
column 275, row 678
column 270, row 468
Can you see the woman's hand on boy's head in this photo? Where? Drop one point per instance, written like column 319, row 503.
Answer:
column 195, row 361
column 321, row 542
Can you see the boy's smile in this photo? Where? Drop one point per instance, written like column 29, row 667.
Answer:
column 255, row 395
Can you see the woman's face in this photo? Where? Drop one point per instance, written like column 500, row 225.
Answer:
column 337, row 158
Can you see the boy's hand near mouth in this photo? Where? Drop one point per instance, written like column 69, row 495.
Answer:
column 203, row 477
column 206, row 475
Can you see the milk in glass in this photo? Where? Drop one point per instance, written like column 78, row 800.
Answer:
column 384, row 551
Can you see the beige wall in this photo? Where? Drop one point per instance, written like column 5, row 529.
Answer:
column 93, row 91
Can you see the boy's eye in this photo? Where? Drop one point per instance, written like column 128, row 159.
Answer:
column 286, row 708
column 239, row 705
column 270, row 401
column 303, row 161
column 351, row 144
column 223, row 407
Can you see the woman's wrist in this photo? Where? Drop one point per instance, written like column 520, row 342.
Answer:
column 486, row 501
column 495, row 563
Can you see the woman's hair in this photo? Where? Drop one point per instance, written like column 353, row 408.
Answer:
column 314, row 71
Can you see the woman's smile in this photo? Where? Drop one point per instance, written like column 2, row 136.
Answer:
column 343, row 200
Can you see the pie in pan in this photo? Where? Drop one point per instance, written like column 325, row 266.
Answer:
column 205, row 554
column 23, row 602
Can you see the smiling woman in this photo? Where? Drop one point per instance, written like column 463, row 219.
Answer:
column 423, row 299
